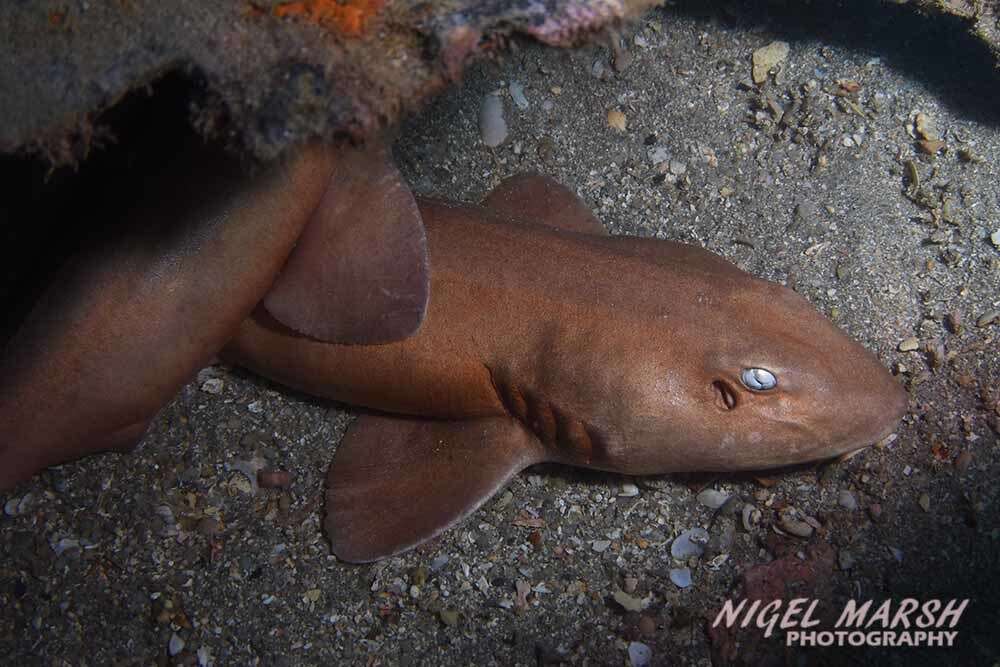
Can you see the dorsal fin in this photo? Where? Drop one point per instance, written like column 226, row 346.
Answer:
column 533, row 198
column 396, row 482
column 673, row 253
column 359, row 273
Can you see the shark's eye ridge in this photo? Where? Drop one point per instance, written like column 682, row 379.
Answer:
column 758, row 379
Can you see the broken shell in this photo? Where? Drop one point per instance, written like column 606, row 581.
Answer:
column 681, row 577
column 517, row 94
column 712, row 499
column 931, row 146
column 791, row 524
column 989, row 318
column 689, row 543
column 639, row 655
column 767, row 57
column 616, row 120
column 847, row 500
column 274, row 479
column 923, row 126
column 751, row 517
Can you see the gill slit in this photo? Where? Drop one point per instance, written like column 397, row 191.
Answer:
column 573, row 438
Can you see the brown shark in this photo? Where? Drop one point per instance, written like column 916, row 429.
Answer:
column 545, row 339
column 130, row 320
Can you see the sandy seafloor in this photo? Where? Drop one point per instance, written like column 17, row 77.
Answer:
column 125, row 559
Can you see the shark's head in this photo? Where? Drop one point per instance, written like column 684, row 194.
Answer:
column 763, row 381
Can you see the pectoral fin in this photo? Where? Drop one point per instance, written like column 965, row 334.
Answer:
column 533, row 198
column 397, row 482
column 359, row 272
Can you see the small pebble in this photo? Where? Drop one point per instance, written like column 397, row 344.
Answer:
column 492, row 126
column 629, row 490
column 968, row 155
column 658, row 154
column 925, row 502
column 621, row 57
column 910, row 344
column 517, row 94
column 536, row 539
column 718, row 561
column 639, row 655
column 212, row 386
column 209, row 526
column 647, row 626
column 796, row 528
column 875, row 511
column 600, row 546
column 995, row 238
column 18, row 506
column 681, row 576
column 449, row 617
column 628, row 602
column 845, row 559
column 598, row 70
column 249, row 468
column 274, row 479
column 65, row 544
column 847, row 500
column 546, row 148
column 953, row 321
column 176, row 645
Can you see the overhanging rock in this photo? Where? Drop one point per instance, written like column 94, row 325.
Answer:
column 273, row 72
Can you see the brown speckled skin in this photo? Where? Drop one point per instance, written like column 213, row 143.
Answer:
column 126, row 324
column 610, row 351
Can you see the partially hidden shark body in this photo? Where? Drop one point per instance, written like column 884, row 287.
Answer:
column 545, row 339
column 130, row 319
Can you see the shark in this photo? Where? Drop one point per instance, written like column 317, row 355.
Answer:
column 545, row 339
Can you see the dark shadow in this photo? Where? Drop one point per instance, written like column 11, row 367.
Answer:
column 46, row 214
column 938, row 51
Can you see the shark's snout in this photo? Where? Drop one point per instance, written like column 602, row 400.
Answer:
column 789, row 387
column 877, row 410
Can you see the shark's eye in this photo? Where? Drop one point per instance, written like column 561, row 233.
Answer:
column 758, row 379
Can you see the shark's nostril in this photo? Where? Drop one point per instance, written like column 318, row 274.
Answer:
column 725, row 397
